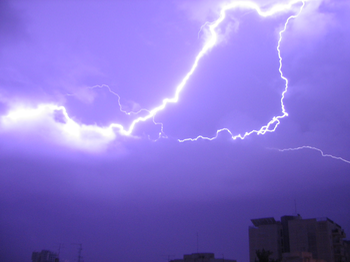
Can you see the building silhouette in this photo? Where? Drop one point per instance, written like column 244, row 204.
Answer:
column 300, row 257
column 45, row 256
column 296, row 239
column 202, row 257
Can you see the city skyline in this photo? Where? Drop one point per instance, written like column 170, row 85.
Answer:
column 294, row 237
column 285, row 238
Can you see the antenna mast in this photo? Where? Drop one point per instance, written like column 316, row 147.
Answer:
column 79, row 252
column 80, row 248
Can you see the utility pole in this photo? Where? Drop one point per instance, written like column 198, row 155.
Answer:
column 60, row 245
column 80, row 248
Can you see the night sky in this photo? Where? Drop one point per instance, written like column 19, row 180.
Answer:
column 145, row 197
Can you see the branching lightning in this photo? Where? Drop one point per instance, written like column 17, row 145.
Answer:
column 314, row 148
column 119, row 103
column 208, row 45
column 275, row 121
column 74, row 129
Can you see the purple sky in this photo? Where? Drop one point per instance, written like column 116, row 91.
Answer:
column 133, row 199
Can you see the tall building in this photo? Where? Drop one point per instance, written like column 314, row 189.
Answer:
column 202, row 257
column 321, row 238
column 44, row 256
column 266, row 234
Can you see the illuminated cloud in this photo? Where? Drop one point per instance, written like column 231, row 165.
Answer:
column 51, row 123
column 61, row 128
column 59, row 125
column 312, row 25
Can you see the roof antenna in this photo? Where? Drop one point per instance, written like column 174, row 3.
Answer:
column 80, row 248
column 60, row 245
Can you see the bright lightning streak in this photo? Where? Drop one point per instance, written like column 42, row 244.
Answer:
column 275, row 121
column 314, row 148
column 74, row 129
column 209, row 44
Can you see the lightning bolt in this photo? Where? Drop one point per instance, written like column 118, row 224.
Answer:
column 208, row 45
column 161, row 134
column 72, row 128
column 314, row 148
column 275, row 121
column 119, row 103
